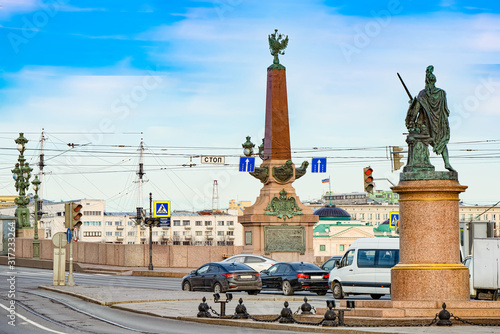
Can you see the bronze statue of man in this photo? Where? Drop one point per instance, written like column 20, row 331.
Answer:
column 428, row 114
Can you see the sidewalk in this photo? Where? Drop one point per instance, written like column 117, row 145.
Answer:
column 183, row 305
column 132, row 271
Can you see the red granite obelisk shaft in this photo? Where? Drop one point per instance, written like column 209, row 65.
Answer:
column 277, row 136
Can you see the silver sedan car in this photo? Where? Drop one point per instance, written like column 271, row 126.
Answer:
column 256, row 262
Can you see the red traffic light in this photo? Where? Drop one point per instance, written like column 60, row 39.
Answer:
column 368, row 171
column 369, row 179
column 77, row 208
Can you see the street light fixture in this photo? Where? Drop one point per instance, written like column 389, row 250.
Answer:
column 36, row 243
column 22, row 173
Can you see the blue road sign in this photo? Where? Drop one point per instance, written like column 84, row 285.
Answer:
column 393, row 219
column 318, row 165
column 162, row 209
column 164, row 222
column 247, row 164
column 68, row 235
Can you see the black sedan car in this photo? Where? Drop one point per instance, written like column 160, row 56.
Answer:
column 295, row 276
column 222, row 277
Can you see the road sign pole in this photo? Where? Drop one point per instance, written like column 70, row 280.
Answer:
column 150, row 267
column 71, row 280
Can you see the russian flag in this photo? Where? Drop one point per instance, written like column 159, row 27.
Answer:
column 325, row 181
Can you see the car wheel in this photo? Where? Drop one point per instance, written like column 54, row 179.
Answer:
column 186, row 286
column 287, row 288
column 322, row 292
column 337, row 291
column 375, row 296
column 253, row 292
column 217, row 288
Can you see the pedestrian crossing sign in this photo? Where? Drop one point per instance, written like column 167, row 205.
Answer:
column 161, row 209
column 394, row 220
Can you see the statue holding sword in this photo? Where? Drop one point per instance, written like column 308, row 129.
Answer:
column 427, row 116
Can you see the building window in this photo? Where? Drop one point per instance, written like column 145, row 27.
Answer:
column 177, row 223
column 341, row 248
column 230, row 233
column 118, row 234
column 353, row 216
column 131, row 234
column 361, row 216
column 186, row 233
column 155, row 233
column 230, row 223
column 208, row 223
column 109, row 223
column 176, row 233
column 109, row 234
column 220, row 223
column 220, row 233
column 208, row 243
column 470, row 216
column 198, row 223
column 130, row 223
column 118, row 223
column 198, row 243
column 322, row 248
column 369, row 216
column 208, row 232
column 186, row 222
column 199, row 233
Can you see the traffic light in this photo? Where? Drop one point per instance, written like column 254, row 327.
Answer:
column 77, row 215
column 396, row 157
column 72, row 215
column 368, row 177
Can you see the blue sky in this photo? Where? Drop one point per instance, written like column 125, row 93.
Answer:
column 191, row 76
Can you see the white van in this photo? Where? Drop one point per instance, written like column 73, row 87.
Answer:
column 365, row 268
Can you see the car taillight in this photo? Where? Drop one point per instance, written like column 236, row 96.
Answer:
column 302, row 275
column 256, row 275
column 326, row 276
column 229, row 275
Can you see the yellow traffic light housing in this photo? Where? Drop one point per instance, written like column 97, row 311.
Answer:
column 76, row 214
column 368, row 178
column 396, row 157
column 72, row 215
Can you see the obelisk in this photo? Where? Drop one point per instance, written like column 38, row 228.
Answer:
column 278, row 224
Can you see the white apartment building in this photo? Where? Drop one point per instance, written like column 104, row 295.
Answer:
column 187, row 228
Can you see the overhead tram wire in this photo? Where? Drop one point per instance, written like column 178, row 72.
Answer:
column 183, row 194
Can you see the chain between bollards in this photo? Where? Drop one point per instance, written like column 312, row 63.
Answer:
column 333, row 317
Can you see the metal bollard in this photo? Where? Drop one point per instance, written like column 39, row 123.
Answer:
column 286, row 314
column 330, row 317
column 306, row 307
column 203, row 309
column 241, row 310
column 444, row 317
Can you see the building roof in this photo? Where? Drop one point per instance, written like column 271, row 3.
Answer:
column 330, row 211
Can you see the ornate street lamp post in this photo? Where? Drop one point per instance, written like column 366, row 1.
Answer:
column 22, row 174
column 36, row 243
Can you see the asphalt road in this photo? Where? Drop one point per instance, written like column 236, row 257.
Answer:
column 33, row 277
column 40, row 311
